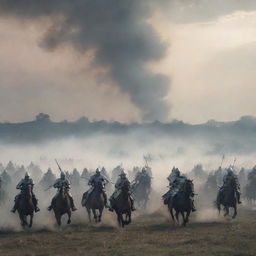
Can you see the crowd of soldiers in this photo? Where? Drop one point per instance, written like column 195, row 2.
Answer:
column 214, row 181
column 67, row 179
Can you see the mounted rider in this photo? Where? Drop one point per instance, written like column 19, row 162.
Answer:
column 122, row 180
column 22, row 185
column 230, row 179
column 176, row 180
column 142, row 177
column 94, row 179
column 62, row 181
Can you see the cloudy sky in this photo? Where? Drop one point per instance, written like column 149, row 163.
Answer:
column 127, row 60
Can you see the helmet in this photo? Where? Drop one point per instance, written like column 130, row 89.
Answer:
column 62, row 175
column 122, row 174
column 230, row 170
column 27, row 175
column 177, row 171
column 97, row 171
column 144, row 170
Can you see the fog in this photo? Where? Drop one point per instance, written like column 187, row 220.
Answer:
column 109, row 150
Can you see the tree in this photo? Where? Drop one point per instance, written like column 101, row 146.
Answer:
column 43, row 117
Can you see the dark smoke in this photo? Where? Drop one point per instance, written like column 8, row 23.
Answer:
column 118, row 32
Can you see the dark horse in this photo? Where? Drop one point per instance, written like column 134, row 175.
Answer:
column 25, row 206
column 227, row 198
column 182, row 203
column 95, row 202
column 62, row 205
column 141, row 192
column 122, row 205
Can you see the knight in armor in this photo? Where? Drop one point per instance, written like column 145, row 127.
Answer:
column 118, row 186
column 176, row 180
column 22, row 185
column 94, row 179
column 231, row 178
column 58, row 184
column 141, row 175
column 47, row 179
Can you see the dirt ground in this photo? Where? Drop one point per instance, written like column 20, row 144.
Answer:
column 147, row 235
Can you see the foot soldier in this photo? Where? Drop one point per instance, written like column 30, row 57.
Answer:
column 22, row 185
column 230, row 179
column 176, row 180
column 58, row 184
column 94, row 179
column 119, row 184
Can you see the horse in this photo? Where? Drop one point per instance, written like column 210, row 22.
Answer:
column 122, row 205
column 25, row 206
column 181, row 203
column 62, row 205
column 141, row 192
column 250, row 193
column 95, row 202
column 227, row 198
column 3, row 195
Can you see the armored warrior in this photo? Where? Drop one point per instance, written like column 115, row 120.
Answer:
column 119, row 185
column 231, row 179
column 94, row 179
column 22, row 185
column 176, row 180
column 62, row 181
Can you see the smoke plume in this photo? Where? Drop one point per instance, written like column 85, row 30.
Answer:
column 117, row 32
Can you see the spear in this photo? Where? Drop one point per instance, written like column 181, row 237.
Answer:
column 58, row 165
column 223, row 157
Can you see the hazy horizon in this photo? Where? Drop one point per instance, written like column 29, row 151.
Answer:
column 163, row 60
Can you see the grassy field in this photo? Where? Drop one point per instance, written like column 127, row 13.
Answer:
column 147, row 235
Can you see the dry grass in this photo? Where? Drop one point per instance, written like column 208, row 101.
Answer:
column 147, row 235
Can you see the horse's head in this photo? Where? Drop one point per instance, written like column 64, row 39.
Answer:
column 126, row 186
column 188, row 187
column 63, row 189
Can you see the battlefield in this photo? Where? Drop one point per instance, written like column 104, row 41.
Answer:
column 150, row 231
column 127, row 128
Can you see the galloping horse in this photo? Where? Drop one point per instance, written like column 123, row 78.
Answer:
column 227, row 198
column 25, row 207
column 123, row 205
column 62, row 205
column 95, row 202
column 141, row 192
column 181, row 203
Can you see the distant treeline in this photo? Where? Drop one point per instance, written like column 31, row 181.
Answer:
column 239, row 135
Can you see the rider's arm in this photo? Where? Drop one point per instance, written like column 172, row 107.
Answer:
column 56, row 184
column 19, row 185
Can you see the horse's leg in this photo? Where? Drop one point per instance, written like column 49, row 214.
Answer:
column 31, row 220
column 172, row 215
column 69, row 217
column 235, row 211
column 89, row 214
column 183, row 217
column 187, row 216
column 100, row 214
column 226, row 211
column 177, row 217
column 129, row 218
column 22, row 221
column 58, row 219
column 120, row 220
column 25, row 220
column 95, row 215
